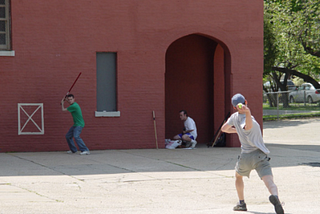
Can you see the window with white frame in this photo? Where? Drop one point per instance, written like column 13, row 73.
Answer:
column 4, row 25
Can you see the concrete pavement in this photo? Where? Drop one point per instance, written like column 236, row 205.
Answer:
column 164, row 181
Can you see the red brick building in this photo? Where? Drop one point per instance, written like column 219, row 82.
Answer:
column 135, row 57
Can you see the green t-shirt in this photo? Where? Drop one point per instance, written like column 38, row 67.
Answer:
column 76, row 113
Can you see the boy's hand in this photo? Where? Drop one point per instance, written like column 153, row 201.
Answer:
column 63, row 100
column 242, row 108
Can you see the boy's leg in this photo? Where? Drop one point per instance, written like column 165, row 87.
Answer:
column 268, row 181
column 273, row 189
column 241, row 206
column 187, row 138
column 177, row 137
column 264, row 171
column 69, row 139
column 76, row 134
column 239, row 186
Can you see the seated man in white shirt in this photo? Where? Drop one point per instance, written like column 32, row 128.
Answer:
column 189, row 133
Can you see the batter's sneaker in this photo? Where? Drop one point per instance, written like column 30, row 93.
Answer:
column 85, row 153
column 240, row 207
column 276, row 203
column 70, row 152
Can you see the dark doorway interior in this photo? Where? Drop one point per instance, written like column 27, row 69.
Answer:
column 189, row 85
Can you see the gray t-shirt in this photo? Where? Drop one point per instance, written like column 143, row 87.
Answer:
column 250, row 140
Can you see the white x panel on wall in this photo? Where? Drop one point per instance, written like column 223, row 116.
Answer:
column 30, row 118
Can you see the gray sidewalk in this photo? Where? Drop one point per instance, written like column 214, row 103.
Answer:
column 164, row 181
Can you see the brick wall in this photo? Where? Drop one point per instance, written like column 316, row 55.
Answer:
column 55, row 40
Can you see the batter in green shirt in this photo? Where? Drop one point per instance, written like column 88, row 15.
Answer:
column 78, row 124
column 76, row 113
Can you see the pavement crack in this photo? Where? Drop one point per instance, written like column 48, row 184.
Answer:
column 34, row 192
column 187, row 167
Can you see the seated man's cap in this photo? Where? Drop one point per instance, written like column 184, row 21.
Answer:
column 237, row 98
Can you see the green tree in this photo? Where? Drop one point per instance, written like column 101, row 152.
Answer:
column 295, row 36
column 270, row 55
column 309, row 30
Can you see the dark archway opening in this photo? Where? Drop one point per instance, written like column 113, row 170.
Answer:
column 189, row 85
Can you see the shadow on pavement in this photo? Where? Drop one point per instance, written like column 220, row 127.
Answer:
column 313, row 148
column 140, row 161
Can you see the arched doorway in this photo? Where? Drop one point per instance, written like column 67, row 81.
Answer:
column 189, row 85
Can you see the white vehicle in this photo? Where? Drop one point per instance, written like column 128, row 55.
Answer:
column 305, row 93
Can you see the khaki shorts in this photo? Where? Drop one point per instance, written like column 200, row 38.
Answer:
column 254, row 160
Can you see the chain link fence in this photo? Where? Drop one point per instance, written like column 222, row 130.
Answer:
column 280, row 103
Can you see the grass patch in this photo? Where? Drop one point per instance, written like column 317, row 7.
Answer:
column 295, row 106
column 292, row 107
column 291, row 116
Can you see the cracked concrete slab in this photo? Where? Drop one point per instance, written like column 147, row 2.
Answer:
column 163, row 181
